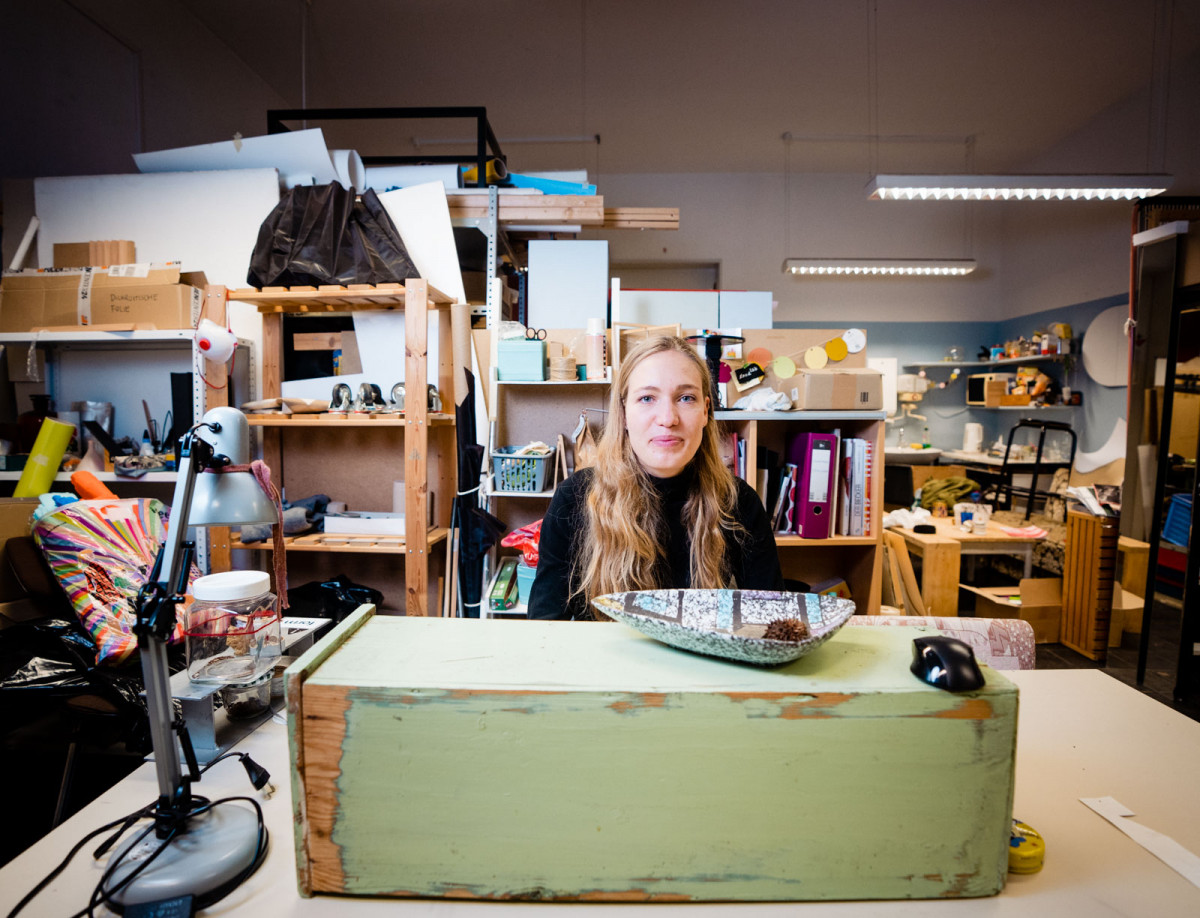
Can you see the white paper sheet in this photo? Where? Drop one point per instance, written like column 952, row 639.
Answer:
column 1113, row 448
column 384, row 178
column 422, row 218
column 380, row 336
column 296, row 153
column 1163, row 847
column 209, row 221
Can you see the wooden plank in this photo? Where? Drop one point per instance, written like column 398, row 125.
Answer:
column 658, row 218
column 585, row 210
column 416, row 450
column 331, row 298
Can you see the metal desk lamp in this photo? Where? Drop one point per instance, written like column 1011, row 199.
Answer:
column 205, row 849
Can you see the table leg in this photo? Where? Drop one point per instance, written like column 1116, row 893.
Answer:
column 939, row 576
column 1028, row 560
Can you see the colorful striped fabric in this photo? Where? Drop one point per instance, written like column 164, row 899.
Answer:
column 102, row 551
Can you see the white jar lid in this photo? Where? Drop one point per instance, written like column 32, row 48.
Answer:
column 231, row 586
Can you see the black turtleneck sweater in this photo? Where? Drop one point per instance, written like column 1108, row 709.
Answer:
column 752, row 555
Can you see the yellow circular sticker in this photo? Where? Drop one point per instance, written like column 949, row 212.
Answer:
column 815, row 358
column 784, row 367
column 836, row 349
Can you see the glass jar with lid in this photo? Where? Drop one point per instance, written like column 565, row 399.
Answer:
column 232, row 628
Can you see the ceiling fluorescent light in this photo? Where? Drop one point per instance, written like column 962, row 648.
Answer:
column 1016, row 187
column 861, row 267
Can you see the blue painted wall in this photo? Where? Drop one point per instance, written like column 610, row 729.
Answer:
column 946, row 409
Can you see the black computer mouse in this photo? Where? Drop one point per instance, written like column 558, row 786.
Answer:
column 947, row 663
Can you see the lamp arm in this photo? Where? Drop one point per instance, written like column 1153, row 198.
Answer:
column 155, row 610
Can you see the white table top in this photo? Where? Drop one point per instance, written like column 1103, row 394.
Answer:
column 963, row 457
column 1081, row 733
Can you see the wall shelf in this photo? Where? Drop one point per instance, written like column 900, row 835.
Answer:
column 1006, row 362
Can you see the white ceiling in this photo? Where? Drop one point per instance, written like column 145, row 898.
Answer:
column 712, row 85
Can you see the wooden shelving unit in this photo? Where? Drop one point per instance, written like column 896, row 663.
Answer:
column 859, row 559
column 358, row 459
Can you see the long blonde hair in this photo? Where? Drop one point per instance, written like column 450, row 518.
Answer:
column 621, row 548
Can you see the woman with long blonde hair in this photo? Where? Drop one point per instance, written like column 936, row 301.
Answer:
column 659, row 508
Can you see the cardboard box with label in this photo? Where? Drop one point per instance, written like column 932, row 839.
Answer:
column 1038, row 601
column 847, row 389
column 154, row 296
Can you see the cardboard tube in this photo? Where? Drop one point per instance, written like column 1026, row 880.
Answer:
column 44, row 459
column 460, row 331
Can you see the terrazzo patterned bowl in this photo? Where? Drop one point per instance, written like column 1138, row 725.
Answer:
column 728, row 623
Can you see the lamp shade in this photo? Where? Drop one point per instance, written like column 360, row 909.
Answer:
column 229, row 498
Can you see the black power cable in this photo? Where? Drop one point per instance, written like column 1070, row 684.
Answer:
column 259, row 777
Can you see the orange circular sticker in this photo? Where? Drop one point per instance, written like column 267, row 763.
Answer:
column 759, row 355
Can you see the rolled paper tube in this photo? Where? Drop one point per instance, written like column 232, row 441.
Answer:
column 45, row 458
column 89, row 487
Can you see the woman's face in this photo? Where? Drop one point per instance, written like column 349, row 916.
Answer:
column 665, row 412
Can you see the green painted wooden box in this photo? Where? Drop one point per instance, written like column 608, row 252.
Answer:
column 583, row 761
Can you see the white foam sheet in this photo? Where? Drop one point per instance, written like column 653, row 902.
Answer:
column 380, row 336
column 209, row 221
column 422, row 218
column 294, row 153
column 1113, row 448
column 1106, row 348
column 383, row 178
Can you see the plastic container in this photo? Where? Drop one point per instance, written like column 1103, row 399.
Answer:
column 594, row 349
column 520, row 473
column 525, row 575
column 249, row 700
column 232, row 628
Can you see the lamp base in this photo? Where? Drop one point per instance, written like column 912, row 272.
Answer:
column 217, row 848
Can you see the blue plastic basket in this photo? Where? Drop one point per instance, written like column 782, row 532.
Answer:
column 520, row 473
column 1178, row 527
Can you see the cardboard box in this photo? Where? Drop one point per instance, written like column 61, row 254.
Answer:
column 1009, row 400
column 993, row 391
column 162, row 298
column 1037, row 601
column 101, row 252
column 797, row 797
column 1126, row 615
column 848, row 389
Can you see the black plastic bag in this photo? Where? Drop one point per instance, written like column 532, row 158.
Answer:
column 334, row 598
column 319, row 234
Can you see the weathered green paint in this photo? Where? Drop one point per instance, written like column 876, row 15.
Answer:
column 570, row 760
column 294, row 678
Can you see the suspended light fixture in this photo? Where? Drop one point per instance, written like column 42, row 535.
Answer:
column 1016, row 187
column 863, row 267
